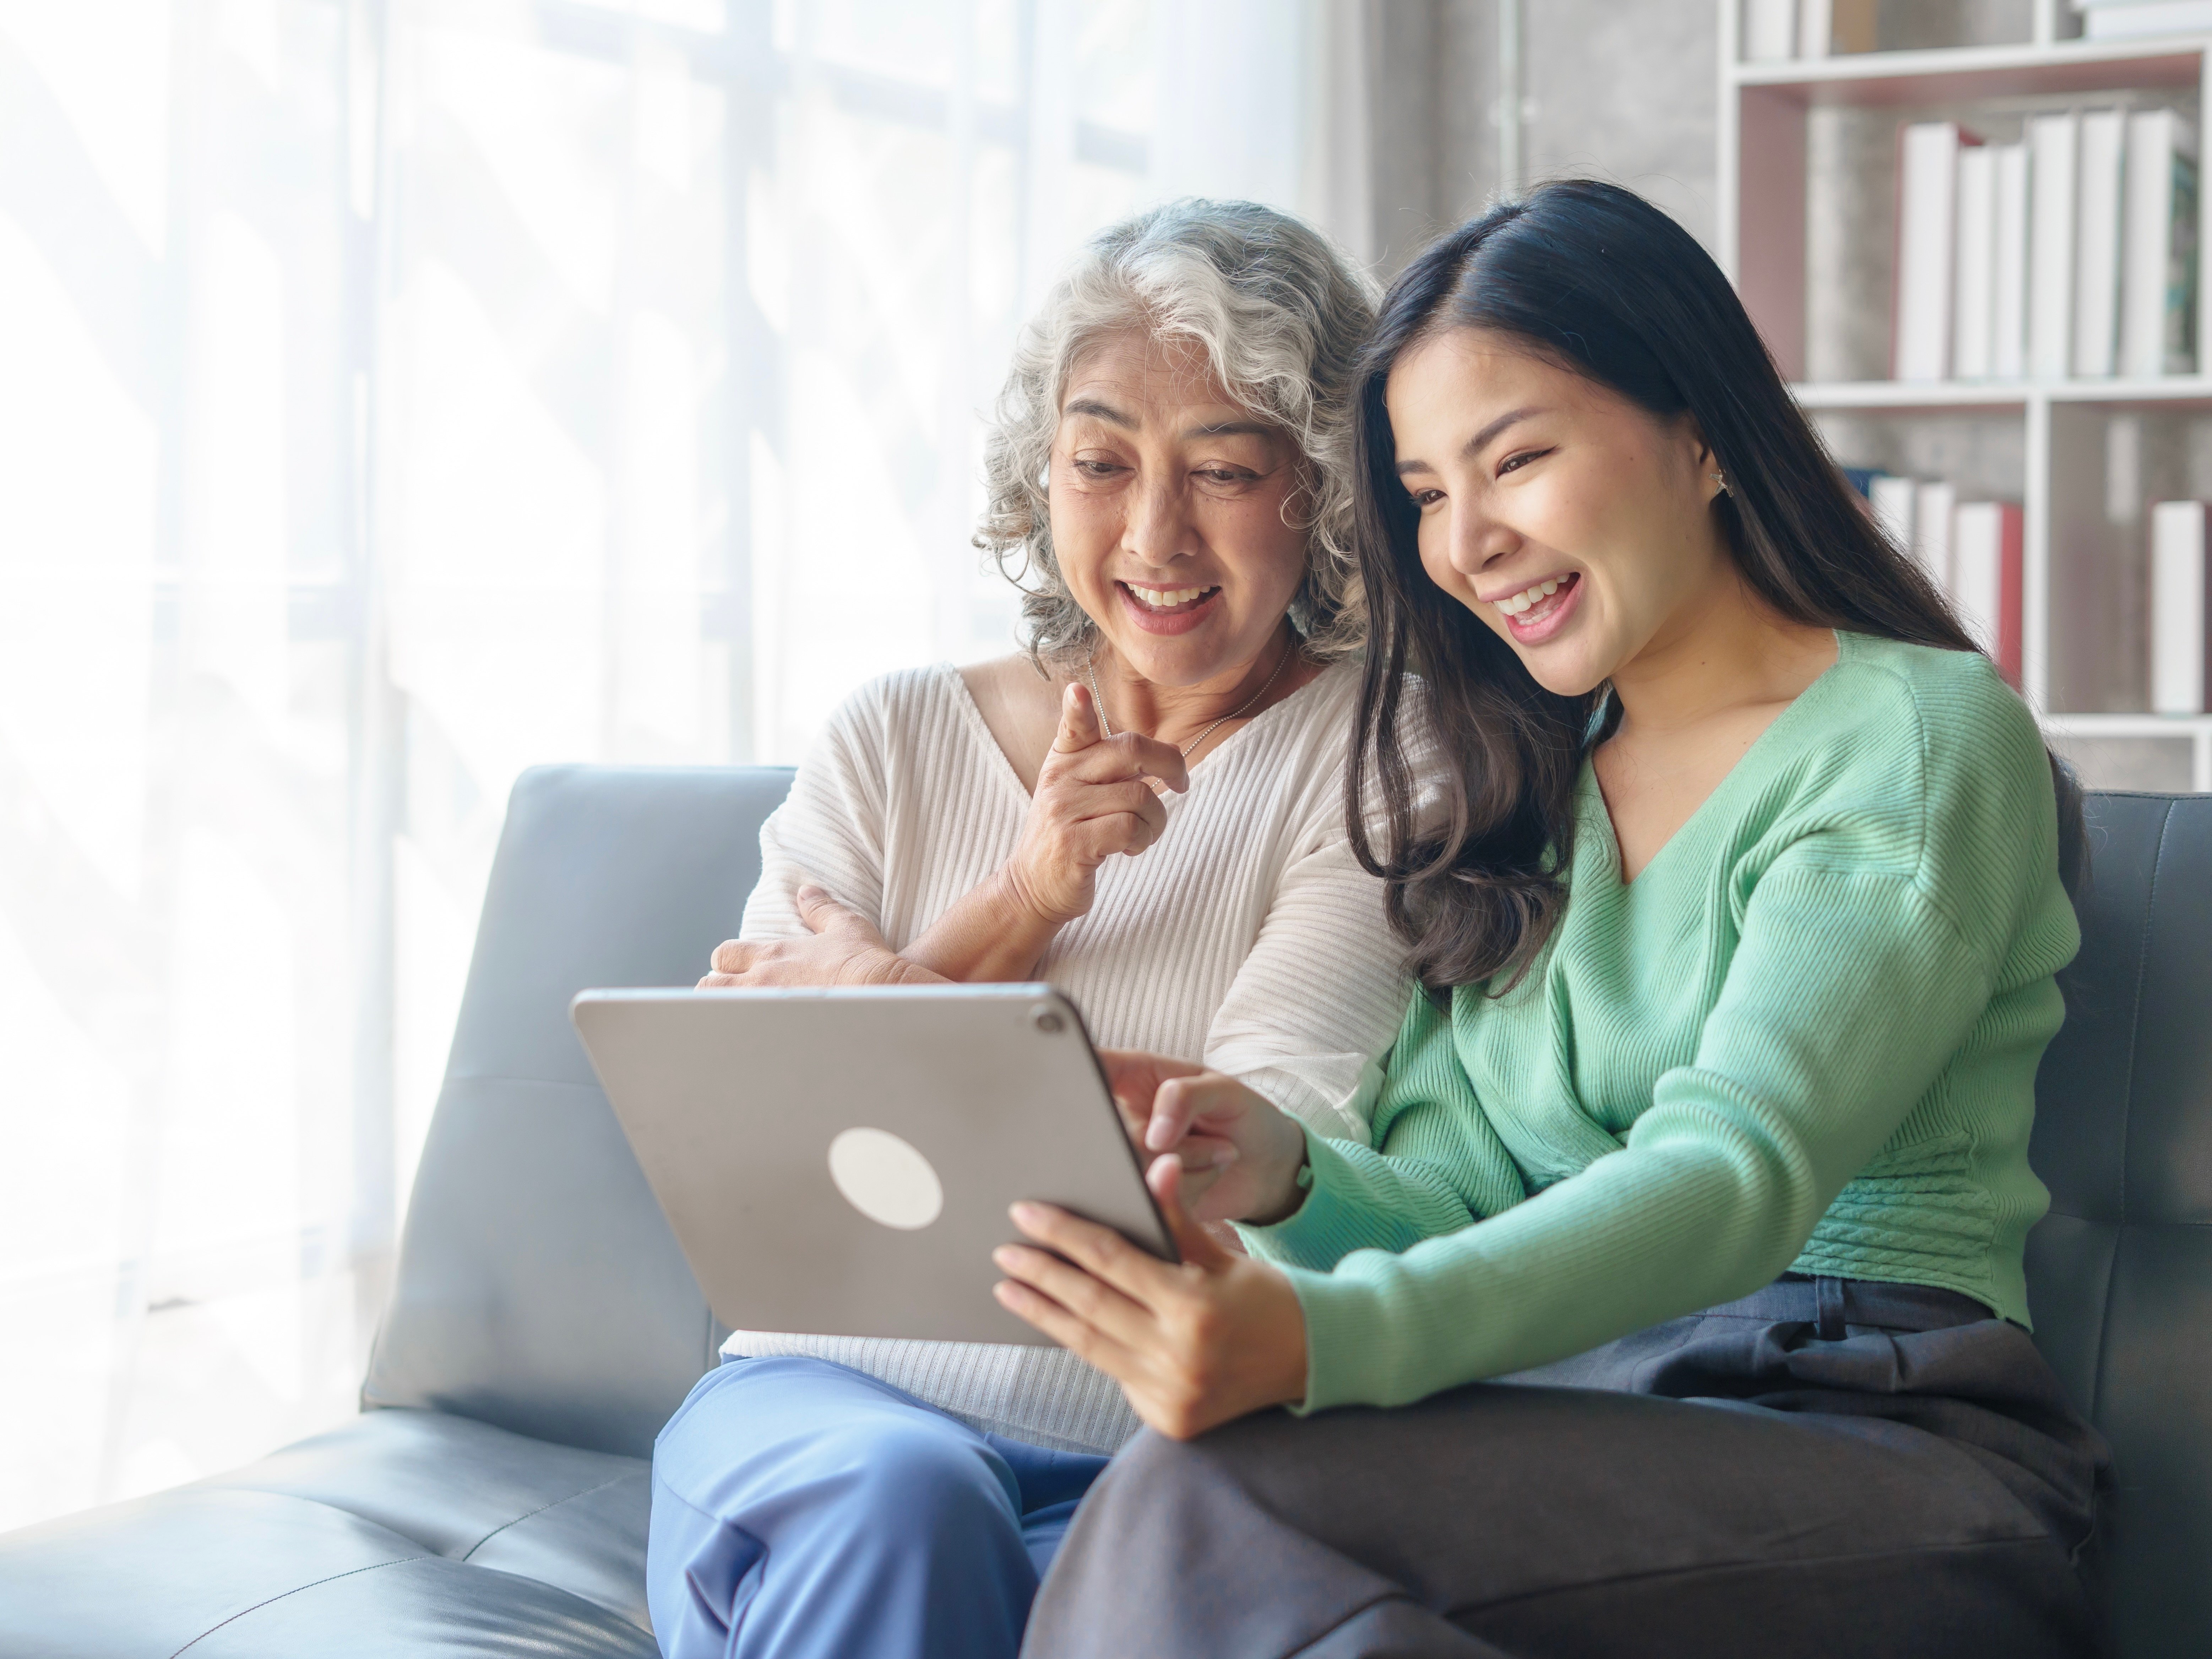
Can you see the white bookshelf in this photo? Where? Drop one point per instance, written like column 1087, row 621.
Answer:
column 2081, row 455
column 2016, row 395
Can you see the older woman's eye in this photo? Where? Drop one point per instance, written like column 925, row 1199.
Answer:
column 1097, row 469
column 1226, row 475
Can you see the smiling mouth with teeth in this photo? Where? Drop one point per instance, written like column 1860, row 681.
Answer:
column 1531, row 602
column 1168, row 599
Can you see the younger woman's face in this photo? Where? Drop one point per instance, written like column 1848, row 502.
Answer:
column 1576, row 525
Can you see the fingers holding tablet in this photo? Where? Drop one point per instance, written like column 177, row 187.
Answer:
column 1193, row 1344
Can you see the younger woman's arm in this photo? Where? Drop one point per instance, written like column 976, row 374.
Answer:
column 1441, row 1168
column 1848, row 993
column 1319, row 994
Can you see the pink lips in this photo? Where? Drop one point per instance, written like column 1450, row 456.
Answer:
column 1548, row 618
column 1174, row 619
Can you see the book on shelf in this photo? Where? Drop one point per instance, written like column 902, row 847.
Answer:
column 1775, row 31
column 2097, row 208
column 1927, row 199
column 2071, row 255
column 2009, row 266
column 1934, row 506
column 2054, row 147
column 1770, row 31
column 1974, row 551
column 2181, row 618
column 1895, row 502
column 1973, row 264
column 2125, row 20
column 1816, row 23
column 1987, row 577
column 2158, row 300
column 1852, row 24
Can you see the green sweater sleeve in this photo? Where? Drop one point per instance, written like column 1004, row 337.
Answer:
column 1848, row 990
column 1446, row 1166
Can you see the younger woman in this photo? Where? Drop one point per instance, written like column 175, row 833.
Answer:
column 1738, row 948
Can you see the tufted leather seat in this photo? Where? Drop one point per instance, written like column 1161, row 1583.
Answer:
column 492, row 1499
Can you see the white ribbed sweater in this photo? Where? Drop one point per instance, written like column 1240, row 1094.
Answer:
column 1246, row 938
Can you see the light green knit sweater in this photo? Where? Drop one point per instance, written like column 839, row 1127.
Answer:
column 1805, row 1036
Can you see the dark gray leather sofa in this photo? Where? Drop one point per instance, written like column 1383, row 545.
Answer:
column 491, row 1499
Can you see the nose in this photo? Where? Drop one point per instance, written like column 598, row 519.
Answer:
column 1475, row 540
column 1158, row 531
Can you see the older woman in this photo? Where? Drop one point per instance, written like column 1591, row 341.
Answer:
column 1144, row 809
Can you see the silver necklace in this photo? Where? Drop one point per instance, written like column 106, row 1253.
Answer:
column 1106, row 726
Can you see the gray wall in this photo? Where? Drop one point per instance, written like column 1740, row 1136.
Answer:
column 1623, row 89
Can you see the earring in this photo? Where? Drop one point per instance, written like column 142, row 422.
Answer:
column 1721, row 479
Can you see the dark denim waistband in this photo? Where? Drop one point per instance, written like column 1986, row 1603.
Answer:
column 1833, row 1304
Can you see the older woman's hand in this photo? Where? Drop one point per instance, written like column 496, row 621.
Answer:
column 1095, row 797
column 1193, row 1344
column 844, row 950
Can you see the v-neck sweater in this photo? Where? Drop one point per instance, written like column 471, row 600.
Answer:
column 1805, row 1036
column 1247, row 939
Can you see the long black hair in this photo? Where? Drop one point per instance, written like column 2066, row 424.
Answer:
column 1596, row 279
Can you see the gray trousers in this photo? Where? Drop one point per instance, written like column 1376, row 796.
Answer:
column 1827, row 1467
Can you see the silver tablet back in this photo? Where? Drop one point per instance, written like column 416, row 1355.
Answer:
column 841, row 1161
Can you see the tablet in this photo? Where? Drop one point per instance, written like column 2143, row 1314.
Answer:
column 840, row 1161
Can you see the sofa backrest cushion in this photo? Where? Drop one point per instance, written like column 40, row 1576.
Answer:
column 538, row 1288
column 2120, row 1272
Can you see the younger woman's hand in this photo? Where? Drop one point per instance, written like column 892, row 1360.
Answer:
column 1094, row 798
column 1194, row 1345
column 1241, row 1153
column 843, row 950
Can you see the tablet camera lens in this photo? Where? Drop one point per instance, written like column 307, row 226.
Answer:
column 1047, row 1020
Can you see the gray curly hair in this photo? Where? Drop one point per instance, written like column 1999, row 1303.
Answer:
column 1280, row 313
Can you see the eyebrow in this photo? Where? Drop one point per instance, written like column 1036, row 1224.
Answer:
column 1103, row 411
column 1478, row 443
column 1097, row 411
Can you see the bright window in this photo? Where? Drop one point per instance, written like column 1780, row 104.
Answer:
column 397, row 393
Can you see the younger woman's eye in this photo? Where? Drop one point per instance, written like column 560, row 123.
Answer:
column 1514, row 463
column 1427, row 497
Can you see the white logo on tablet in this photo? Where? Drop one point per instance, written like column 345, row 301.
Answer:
column 885, row 1179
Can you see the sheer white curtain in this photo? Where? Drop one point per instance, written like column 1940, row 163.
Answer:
column 397, row 393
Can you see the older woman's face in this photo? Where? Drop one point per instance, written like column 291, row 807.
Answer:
column 1172, row 512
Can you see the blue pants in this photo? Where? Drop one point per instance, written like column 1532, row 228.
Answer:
column 803, row 1510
